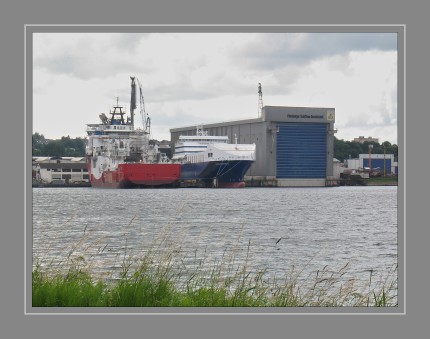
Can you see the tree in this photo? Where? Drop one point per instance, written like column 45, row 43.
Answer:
column 65, row 146
column 54, row 148
column 38, row 139
column 345, row 149
column 38, row 142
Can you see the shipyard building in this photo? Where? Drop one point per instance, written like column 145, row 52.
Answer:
column 59, row 170
column 383, row 162
column 294, row 145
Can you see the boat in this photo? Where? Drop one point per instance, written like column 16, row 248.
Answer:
column 211, row 161
column 119, row 155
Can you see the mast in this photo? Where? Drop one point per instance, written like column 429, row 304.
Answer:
column 260, row 101
column 117, row 114
column 132, row 100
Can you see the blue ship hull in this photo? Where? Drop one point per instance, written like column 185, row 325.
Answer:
column 216, row 173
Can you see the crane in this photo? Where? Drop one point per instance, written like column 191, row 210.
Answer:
column 146, row 120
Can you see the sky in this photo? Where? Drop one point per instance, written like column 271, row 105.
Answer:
column 189, row 79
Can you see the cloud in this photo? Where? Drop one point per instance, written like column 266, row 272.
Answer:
column 195, row 78
column 87, row 56
column 273, row 51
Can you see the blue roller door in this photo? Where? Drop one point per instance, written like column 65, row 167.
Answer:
column 301, row 150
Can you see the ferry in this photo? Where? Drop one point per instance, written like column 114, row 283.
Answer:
column 211, row 161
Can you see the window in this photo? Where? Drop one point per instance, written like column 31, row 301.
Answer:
column 210, row 155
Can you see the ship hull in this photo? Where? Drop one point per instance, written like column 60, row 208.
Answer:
column 225, row 174
column 138, row 176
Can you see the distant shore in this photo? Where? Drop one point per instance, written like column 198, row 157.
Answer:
column 389, row 181
column 80, row 184
column 380, row 181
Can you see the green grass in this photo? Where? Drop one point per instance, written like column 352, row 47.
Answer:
column 164, row 276
column 148, row 288
column 78, row 290
column 381, row 181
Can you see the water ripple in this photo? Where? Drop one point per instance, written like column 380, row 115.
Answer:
column 324, row 226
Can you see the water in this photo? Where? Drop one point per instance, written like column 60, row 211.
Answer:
column 318, row 226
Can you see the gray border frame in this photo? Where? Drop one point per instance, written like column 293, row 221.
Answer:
column 401, row 32
column 15, row 14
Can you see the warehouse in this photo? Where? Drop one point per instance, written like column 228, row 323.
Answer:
column 383, row 162
column 60, row 170
column 294, row 145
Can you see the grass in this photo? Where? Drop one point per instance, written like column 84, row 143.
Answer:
column 77, row 289
column 383, row 181
column 166, row 276
column 74, row 289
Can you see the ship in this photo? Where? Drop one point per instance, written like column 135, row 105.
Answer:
column 120, row 155
column 211, row 161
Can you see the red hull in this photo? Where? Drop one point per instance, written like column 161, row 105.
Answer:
column 139, row 175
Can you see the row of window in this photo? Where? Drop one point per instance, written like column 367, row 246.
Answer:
column 116, row 127
column 68, row 176
column 78, row 170
column 223, row 140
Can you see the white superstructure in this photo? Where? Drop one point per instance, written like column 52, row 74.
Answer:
column 205, row 148
column 113, row 142
column 121, row 156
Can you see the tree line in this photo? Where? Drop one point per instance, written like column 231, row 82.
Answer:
column 68, row 147
column 350, row 149
column 64, row 147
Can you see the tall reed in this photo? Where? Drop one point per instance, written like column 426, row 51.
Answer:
column 164, row 274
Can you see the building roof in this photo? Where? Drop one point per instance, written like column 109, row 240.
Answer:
column 272, row 113
column 65, row 165
column 63, row 159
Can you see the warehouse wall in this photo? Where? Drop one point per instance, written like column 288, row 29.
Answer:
column 264, row 132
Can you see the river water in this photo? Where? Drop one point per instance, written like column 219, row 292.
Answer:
column 278, row 230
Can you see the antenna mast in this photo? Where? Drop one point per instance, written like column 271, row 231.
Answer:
column 260, row 101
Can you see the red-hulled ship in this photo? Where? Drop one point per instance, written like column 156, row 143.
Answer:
column 120, row 155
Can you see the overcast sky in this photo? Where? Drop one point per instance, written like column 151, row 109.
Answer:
column 198, row 78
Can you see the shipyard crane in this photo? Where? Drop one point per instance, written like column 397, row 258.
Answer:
column 146, row 120
column 260, row 101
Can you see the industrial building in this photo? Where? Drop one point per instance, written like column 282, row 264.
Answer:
column 384, row 162
column 361, row 139
column 60, row 170
column 294, row 145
